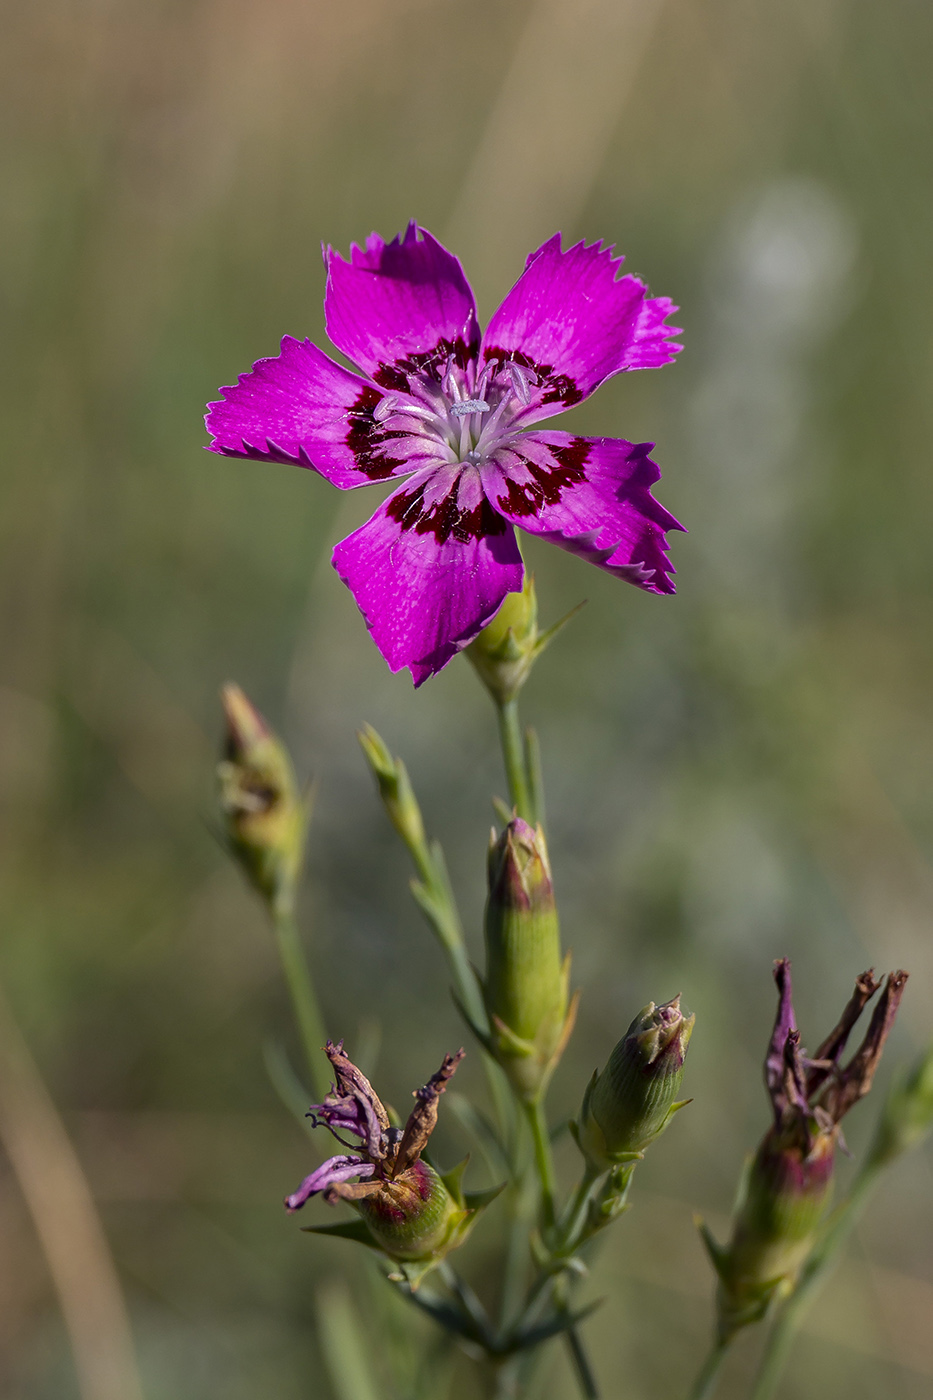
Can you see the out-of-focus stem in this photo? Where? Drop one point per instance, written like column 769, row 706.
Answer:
column 513, row 755
column 69, row 1228
column 507, row 1379
column 544, row 1163
column 581, row 1365
column 822, row 1259
column 303, row 997
column 708, row 1376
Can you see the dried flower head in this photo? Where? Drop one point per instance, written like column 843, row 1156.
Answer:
column 410, row 1212
column 789, row 1181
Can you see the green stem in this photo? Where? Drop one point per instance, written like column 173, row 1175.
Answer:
column 705, row 1384
column 513, row 755
column 821, row 1260
column 544, row 1163
column 301, row 990
column 516, row 1257
column 576, row 1209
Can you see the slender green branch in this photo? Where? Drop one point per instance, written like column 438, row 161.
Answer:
column 515, row 1272
column 513, row 754
column 544, row 1163
column 301, row 990
column 708, row 1375
column 575, row 1211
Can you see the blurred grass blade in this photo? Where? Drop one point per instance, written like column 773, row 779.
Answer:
column 343, row 1342
column 286, row 1083
column 59, row 1198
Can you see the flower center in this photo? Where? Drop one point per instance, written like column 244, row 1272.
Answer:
column 470, row 420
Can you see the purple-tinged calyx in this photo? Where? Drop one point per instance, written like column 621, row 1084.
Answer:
column 456, row 412
column 789, row 1181
column 634, row 1099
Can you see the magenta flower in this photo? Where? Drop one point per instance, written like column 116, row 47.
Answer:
column 449, row 409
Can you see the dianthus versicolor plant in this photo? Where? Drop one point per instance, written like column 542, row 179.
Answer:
column 455, row 415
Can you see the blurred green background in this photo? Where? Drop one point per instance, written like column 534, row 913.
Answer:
column 739, row 772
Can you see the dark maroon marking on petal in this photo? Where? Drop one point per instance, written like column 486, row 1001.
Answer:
column 365, row 437
column 548, row 483
column 445, row 520
column 558, row 388
column 425, row 363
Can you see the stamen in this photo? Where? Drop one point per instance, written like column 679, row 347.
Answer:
column 460, row 410
column 522, row 379
column 485, row 375
column 391, row 406
column 490, row 425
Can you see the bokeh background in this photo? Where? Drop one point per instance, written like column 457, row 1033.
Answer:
column 740, row 772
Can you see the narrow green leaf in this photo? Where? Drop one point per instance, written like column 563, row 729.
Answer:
column 354, row 1230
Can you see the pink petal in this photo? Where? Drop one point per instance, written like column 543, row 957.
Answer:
column 329, row 1173
column 430, row 569
column 573, row 324
column 302, row 407
column 591, row 496
column 395, row 307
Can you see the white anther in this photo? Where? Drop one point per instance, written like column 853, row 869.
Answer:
column 460, row 410
column 447, row 383
column 390, row 405
column 522, row 380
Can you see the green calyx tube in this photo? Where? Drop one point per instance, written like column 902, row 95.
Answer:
column 526, row 979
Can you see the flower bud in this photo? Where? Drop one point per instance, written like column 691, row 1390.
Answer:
column 526, row 982
column 265, row 818
column 504, row 652
column 632, row 1101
